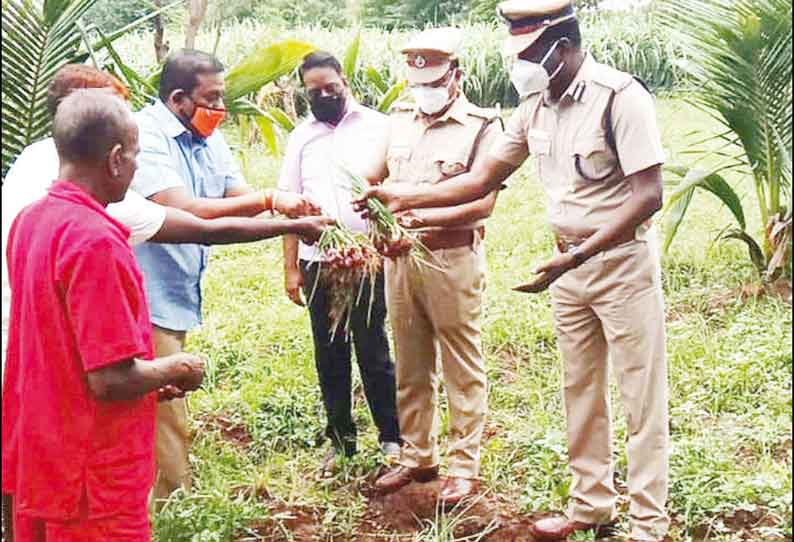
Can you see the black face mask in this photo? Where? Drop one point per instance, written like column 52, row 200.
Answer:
column 328, row 109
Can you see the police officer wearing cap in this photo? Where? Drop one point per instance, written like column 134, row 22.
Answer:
column 593, row 131
column 435, row 309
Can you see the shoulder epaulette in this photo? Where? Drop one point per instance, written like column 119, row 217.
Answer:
column 611, row 78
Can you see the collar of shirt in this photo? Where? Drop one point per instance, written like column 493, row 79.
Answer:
column 71, row 192
column 459, row 111
column 313, row 128
column 171, row 125
column 576, row 90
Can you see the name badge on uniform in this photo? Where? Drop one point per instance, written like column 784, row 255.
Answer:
column 539, row 142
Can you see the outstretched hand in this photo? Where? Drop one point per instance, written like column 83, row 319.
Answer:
column 393, row 196
column 396, row 248
column 295, row 205
column 548, row 273
column 311, row 228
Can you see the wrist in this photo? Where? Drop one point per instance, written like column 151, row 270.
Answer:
column 298, row 226
column 268, row 200
column 577, row 256
column 422, row 219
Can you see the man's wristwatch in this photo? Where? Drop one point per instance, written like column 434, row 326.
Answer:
column 579, row 256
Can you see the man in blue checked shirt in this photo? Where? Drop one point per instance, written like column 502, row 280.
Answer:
column 186, row 163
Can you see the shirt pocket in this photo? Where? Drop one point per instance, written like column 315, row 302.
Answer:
column 593, row 161
column 539, row 145
column 452, row 163
column 397, row 159
column 210, row 184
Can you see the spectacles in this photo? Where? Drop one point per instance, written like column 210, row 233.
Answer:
column 331, row 89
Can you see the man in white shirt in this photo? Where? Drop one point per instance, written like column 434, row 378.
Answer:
column 339, row 132
column 36, row 168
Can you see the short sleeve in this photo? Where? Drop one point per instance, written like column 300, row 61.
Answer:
column 493, row 134
column 511, row 146
column 637, row 137
column 157, row 167
column 105, row 300
column 144, row 218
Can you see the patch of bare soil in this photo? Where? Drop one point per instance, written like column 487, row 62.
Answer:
column 288, row 523
column 414, row 507
column 231, row 430
column 742, row 524
column 783, row 452
column 780, row 289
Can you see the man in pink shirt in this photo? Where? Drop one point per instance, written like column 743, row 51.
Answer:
column 338, row 133
column 81, row 384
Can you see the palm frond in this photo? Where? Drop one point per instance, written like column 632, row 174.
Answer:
column 741, row 52
column 38, row 39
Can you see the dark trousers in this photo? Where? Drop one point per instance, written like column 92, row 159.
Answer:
column 333, row 360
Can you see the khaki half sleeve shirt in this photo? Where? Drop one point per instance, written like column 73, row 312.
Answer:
column 585, row 181
column 420, row 153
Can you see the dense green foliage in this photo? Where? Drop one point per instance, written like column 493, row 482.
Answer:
column 630, row 41
column 110, row 14
column 386, row 14
column 38, row 39
column 742, row 66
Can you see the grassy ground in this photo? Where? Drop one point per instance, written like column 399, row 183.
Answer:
column 258, row 417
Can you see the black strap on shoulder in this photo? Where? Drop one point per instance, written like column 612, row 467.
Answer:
column 480, row 136
column 608, row 126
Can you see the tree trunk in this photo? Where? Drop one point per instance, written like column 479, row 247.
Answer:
column 198, row 9
column 160, row 47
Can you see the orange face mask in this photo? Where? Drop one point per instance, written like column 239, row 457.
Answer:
column 205, row 120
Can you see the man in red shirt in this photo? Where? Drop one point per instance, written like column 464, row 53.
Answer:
column 81, row 383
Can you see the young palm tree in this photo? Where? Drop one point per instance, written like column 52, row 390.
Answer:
column 741, row 63
column 39, row 37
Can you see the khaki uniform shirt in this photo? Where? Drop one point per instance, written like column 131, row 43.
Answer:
column 557, row 133
column 419, row 152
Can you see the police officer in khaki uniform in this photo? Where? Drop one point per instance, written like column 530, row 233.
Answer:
column 435, row 309
column 593, row 131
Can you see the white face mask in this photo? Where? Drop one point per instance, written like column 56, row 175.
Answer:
column 431, row 100
column 529, row 77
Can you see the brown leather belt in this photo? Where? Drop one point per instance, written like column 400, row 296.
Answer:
column 566, row 243
column 449, row 239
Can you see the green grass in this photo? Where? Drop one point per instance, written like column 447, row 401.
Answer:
column 730, row 384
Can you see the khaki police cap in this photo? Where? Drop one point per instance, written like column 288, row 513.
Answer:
column 528, row 19
column 429, row 54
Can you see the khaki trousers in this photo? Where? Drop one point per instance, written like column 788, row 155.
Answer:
column 612, row 306
column 435, row 316
column 173, row 431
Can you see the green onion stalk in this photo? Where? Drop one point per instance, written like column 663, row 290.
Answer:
column 350, row 262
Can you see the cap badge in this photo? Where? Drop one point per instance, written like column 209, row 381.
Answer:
column 420, row 62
